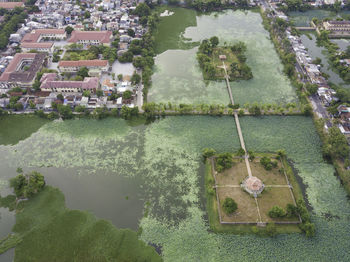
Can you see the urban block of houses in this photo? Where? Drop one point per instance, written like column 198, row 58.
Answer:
column 95, row 66
column 32, row 41
column 22, row 70
column 91, row 37
column 50, row 82
column 344, row 114
column 11, row 5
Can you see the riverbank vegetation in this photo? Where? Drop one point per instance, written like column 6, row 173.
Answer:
column 212, row 58
column 46, row 230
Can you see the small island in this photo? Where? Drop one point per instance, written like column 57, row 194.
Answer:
column 212, row 58
column 269, row 202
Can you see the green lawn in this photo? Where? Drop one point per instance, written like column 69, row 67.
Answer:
column 51, row 232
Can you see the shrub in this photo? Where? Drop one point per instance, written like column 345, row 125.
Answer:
column 223, row 161
column 308, row 228
column 276, row 211
column 229, row 205
column 271, row 229
column 208, row 152
column 291, row 210
column 240, row 152
column 266, row 163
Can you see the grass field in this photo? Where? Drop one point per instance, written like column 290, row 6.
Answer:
column 51, row 232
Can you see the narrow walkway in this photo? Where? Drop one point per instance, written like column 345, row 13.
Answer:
column 238, row 126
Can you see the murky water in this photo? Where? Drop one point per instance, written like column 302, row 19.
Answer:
column 178, row 78
column 318, row 51
column 304, row 18
column 118, row 170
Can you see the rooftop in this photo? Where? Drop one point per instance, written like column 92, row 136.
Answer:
column 49, row 80
column 11, row 5
column 102, row 36
column 34, row 36
column 81, row 63
column 12, row 72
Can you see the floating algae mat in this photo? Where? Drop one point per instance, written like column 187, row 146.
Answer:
column 164, row 158
column 178, row 78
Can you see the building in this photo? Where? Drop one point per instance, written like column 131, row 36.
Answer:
column 22, row 70
column 91, row 37
column 11, row 5
column 337, row 26
column 49, row 82
column 74, row 66
column 40, row 47
column 35, row 40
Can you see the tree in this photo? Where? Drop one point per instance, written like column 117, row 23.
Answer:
column 135, row 78
column 69, row 30
column 128, row 112
column 255, row 110
column 86, row 93
column 336, row 144
column 18, row 106
column 127, row 94
column 271, row 229
column 83, row 72
column 214, row 41
column 99, row 92
column 291, row 210
column 276, row 212
column 87, row 15
column 208, row 152
column 229, row 205
column 60, row 97
column 120, row 77
column 223, row 161
column 142, row 10
column 65, row 111
column 27, row 185
column 266, row 163
column 240, row 152
column 131, row 32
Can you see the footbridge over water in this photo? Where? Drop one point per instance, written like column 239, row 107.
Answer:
column 238, row 126
column 305, row 28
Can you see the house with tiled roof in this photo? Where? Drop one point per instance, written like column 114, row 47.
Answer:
column 91, row 37
column 11, row 5
column 22, row 70
column 74, row 66
column 50, row 82
column 34, row 40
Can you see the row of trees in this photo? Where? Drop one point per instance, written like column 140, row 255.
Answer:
column 11, row 24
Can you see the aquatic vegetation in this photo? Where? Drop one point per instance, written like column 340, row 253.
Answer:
column 18, row 127
column 190, row 239
column 166, row 158
column 50, row 231
column 178, row 78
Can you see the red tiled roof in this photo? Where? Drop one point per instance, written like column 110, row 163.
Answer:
column 10, row 70
column 49, row 81
column 37, row 45
column 102, row 36
column 11, row 5
column 35, row 34
column 82, row 63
